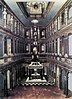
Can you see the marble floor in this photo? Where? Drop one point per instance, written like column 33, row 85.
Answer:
column 37, row 92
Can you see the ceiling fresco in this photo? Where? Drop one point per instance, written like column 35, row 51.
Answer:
column 42, row 10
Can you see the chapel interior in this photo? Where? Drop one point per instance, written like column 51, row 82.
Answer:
column 35, row 49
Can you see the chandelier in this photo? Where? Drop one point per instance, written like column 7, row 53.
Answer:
column 35, row 21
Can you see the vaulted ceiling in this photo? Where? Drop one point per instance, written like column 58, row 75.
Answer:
column 42, row 10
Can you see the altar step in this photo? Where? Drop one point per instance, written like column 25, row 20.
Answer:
column 36, row 82
column 33, row 83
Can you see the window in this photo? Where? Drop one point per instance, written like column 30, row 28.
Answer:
column 63, row 16
column 15, row 46
column 70, row 12
column 5, row 45
column 49, row 47
column 60, row 45
column 54, row 26
column 15, row 26
column 35, row 43
column 18, row 27
column 1, row 46
column 18, row 46
column 35, row 28
column 58, row 22
column 42, row 33
column 27, row 34
column 8, row 19
column 43, row 48
column 8, row 46
column 56, row 45
column 53, row 46
column 1, row 8
column 11, row 45
column 35, row 33
column 27, row 47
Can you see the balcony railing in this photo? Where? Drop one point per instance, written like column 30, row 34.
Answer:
column 11, row 58
column 70, row 20
column 1, row 22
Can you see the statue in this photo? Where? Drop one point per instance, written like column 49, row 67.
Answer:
column 35, row 55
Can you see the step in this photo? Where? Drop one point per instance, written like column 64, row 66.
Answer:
column 35, row 84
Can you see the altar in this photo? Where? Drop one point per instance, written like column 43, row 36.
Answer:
column 35, row 65
column 35, row 70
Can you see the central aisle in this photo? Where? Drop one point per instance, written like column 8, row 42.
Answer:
column 36, row 92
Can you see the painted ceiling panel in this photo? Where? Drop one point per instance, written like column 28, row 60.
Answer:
column 42, row 21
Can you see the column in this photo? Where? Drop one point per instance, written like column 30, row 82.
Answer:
column 45, row 69
column 8, row 21
column 51, row 47
column 54, row 73
column 15, row 28
column 13, row 46
column 50, row 30
column 29, row 48
column 16, row 73
column 39, row 48
column 17, row 46
column 58, row 23
column 55, row 25
column 54, row 46
column 60, row 20
column 5, row 84
column 14, row 77
column 1, row 85
column 20, row 29
column 8, row 79
column 3, row 44
column 57, row 77
column 11, row 23
column 58, row 46
column 60, row 78
column 66, row 16
column 38, row 33
column 44, row 48
column 31, row 33
column 11, row 79
column 66, row 83
column 5, row 17
column 9, row 46
column 23, row 31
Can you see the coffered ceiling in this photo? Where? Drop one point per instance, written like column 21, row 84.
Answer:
column 42, row 10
